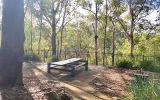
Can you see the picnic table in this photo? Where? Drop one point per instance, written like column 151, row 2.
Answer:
column 68, row 65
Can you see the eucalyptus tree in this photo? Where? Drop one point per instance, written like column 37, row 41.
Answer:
column 68, row 14
column 137, row 10
column 41, row 23
column 38, row 13
column 62, row 25
column 48, row 13
column 31, row 20
column 93, row 7
column 56, row 14
column 11, row 54
column 29, row 6
column 102, row 28
column 110, row 26
column 105, row 33
column 103, row 20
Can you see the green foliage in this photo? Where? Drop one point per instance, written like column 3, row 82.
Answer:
column 54, row 58
column 136, row 67
column 146, row 91
column 78, row 34
column 149, row 66
column 124, row 63
column 31, row 57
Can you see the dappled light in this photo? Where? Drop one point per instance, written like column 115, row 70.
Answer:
column 79, row 49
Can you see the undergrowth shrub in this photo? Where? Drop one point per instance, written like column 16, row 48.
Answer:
column 54, row 58
column 124, row 63
column 149, row 66
column 145, row 91
column 31, row 57
column 136, row 67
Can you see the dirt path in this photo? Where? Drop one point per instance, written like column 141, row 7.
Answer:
column 95, row 84
column 78, row 86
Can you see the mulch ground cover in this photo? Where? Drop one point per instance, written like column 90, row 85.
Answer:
column 114, row 82
column 34, row 89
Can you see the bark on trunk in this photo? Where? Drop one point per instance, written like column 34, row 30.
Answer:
column 40, row 33
column 96, row 51
column 113, row 47
column 105, row 35
column 113, row 43
column 31, row 32
column 104, row 47
column 96, row 36
column 132, row 48
column 12, row 48
column 53, row 33
column 39, row 41
column 62, row 28
column 132, row 38
column 53, row 26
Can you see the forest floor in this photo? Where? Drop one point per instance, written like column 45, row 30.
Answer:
column 98, row 83
column 34, row 88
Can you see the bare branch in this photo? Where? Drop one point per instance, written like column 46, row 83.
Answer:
column 48, row 20
column 59, row 15
column 124, row 29
column 89, row 10
column 137, row 20
column 140, row 9
column 65, row 24
column 57, row 8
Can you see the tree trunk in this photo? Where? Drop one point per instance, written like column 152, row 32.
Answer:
column 53, row 32
column 12, row 47
column 96, row 51
column 104, row 46
column 96, row 36
column 132, row 38
column 62, row 28
column 113, row 43
column 40, row 33
column 31, row 32
column 105, row 35
column 39, row 41
column 113, row 47
column 132, row 47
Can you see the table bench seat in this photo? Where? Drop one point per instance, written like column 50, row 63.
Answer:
column 69, row 65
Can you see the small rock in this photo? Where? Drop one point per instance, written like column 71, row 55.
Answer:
column 98, row 84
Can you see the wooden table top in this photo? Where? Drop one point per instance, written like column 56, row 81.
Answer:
column 67, row 61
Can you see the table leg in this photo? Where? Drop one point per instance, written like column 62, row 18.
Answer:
column 73, row 71
column 48, row 68
column 86, row 65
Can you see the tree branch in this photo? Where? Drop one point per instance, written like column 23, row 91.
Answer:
column 89, row 10
column 57, row 8
column 124, row 29
column 47, row 20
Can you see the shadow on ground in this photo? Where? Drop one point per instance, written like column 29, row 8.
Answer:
column 15, row 93
column 21, row 92
column 78, row 85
